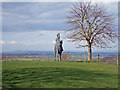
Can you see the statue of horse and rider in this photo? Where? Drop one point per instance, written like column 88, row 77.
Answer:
column 58, row 47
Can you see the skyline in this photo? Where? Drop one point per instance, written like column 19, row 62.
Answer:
column 34, row 26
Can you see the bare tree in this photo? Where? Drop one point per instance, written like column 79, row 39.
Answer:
column 92, row 24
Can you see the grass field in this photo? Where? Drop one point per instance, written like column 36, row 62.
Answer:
column 36, row 74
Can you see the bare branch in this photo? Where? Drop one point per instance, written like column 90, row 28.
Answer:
column 90, row 23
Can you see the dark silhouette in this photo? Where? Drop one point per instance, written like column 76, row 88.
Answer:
column 58, row 47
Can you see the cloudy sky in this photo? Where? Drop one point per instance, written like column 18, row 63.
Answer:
column 34, row 25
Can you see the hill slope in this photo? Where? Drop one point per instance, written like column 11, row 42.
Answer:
column 35, row 74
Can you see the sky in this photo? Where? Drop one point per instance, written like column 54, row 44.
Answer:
column 34, row 25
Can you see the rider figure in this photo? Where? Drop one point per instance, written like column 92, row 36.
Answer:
column 58, row 37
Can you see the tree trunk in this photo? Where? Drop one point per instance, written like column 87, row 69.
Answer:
column 90, row 52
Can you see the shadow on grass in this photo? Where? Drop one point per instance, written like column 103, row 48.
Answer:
column 53, row 77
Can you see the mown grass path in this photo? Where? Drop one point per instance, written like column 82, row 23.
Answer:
column 36, row 74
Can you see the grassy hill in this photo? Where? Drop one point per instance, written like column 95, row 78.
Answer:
column 36, row 74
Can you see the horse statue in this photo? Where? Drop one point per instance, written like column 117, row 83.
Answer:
column 58, row 47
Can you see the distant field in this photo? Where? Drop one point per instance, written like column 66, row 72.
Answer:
column 105, row 59
column 50, row 74
column 49, row 58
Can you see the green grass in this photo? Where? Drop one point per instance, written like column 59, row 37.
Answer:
column 35, row 74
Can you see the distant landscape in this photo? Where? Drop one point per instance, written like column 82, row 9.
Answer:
column 22, row 52
column 106, row 57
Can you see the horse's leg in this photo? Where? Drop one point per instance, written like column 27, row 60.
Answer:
column 60, row 57
column 55, row 56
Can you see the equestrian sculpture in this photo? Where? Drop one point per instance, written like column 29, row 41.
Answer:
column 58, row 47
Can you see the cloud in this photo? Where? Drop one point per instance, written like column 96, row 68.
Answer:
column 2, row 42
column 53, row 42
column 12, row 42
column 26, row 43
column 8, row 42
column 41, row 42
column 38, row 16
column 21, row 17
column 32, row 42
